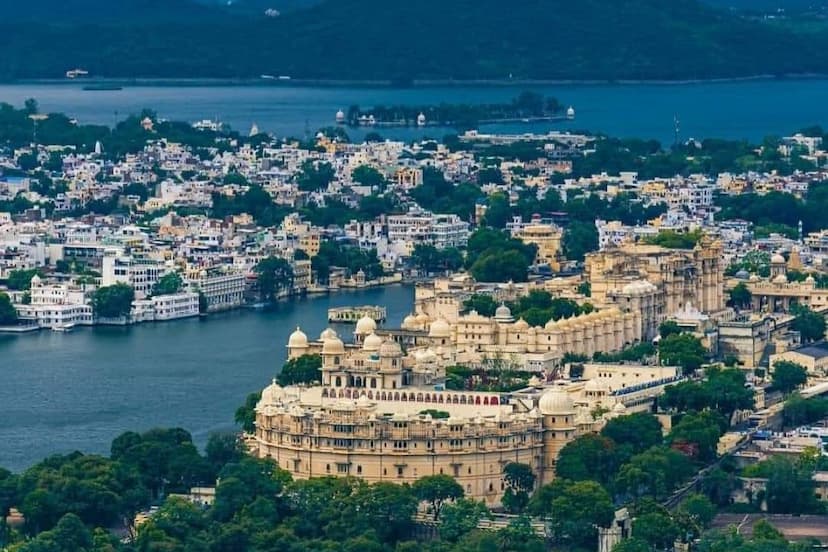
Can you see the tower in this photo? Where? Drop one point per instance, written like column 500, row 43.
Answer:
column 559, row 428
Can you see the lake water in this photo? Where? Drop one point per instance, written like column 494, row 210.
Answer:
column 750, row 109
column 61, row 392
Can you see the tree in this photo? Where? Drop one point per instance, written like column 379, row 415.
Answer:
column 520, row 480
column 20, row 280
column 579, row 239
column 274, row 275
column 113, row 301
column 588, row 457
column 436, row 490
column 790, row 489
column 223, row 449
column 683, row 350
column 701, row 432
column 246, row 413
column 635, row 432
column 657, row 529
column 8, row 314
column 809, row 324
column 484, row 304
column 668, row 328
column 788, row 376
column 740, row 296
column 461, row 517
column 368, row 176
column 168, row 284
column 633, row 544
column 498, row 211
column 574, row 509
column 303, row 369
column 495, row 266
column 656, row 473
column 699, row 510
column 315, row 176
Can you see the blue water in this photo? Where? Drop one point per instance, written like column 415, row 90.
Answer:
column 739, row 110
column 61, row 392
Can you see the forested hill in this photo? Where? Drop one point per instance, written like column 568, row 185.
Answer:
column 427, row 39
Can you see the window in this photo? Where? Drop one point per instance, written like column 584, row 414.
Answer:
column 400, row 471
column 359, row 470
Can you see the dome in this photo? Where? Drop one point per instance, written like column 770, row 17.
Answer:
column 503, row 312
column 777, row 259
column 298, row 340
column 619, row 409
column 423, row 319
column 439, row 328
column 35, row 281
column 570, row 112
column 754, row 278
column 390, row 348
column 521, row 325
column 333, row 346
column 409, row 322
column 372, row 342
column 421, row 119
column 327, row 333
column 556, row 401
column 781, row 279
column 551, row 325
column 743, row 274
column 272, row 394
column 340, row 116
column 808, row 280
column 365, row 325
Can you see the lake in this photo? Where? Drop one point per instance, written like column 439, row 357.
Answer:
column 746, row 109
column 61, row 392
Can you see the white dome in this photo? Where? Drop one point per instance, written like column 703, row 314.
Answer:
column 298, row 340
column 521, row 325
column 503, row 312
column 810, row 279
column 327, row 333
column 365, row 325
column 778, row 259
column 35, row 281
column 556, row 401
column 390, row 348
column 409, row 322
column 272, row 394
column 333, row 346
column 372, row 342
column 551, row 325
column 439, row 328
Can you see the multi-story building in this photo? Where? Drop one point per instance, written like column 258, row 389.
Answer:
column 222, row 287
column 137, row 272
column 56, row 306
column 547, row 238
column 165, row 307
column 422, row 227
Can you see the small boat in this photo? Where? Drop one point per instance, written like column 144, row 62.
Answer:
column 63, row 327
column 102, row 87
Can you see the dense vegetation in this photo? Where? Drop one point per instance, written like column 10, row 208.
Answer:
column 592, row 39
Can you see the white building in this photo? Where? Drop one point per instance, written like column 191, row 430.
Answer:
column 222, row 288
column 422, row 227
column 56, row 306
column 165, row 307
column 139, row 273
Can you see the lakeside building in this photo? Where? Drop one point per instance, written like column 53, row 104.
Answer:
column 165, row 307
column 382, row 414
column 421, row 227
column 56, row 306
column 222, row 287
column 139, row 273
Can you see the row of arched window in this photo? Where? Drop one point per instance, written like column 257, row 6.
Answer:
column 434, row 398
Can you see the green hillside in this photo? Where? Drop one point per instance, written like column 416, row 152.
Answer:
column 428, row 39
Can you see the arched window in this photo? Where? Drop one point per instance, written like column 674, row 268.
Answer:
column 373, row 383
column 397, row 396
column 338, row 381
column 485, row 400
column 477, row 400
column 493, row 402
column 419, row 397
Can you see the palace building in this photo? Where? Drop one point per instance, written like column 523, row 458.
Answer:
column 384, row 414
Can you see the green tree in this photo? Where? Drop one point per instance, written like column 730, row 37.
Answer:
column 461, row 517
column 668, row 328
column 657, row 529
column 633, row 544
column 482, row 303
column 635, row 433
column 168, row 284
column 498, row 211
column 436, row 490
column 368, row 176
column 790, row 489
column 113, row 301
column 683, row 350
column 588, row 457
column 520, row 480
column 274, row 275
column 579, row 239
column 740, row 296
column 574, row 509
column 315, row 176
column 303, row 369
column 701, row 432
column 788, row 376
column 507, row 266
column 246, row 414
column 809, row 324
column 20, row 280
column 8, row 314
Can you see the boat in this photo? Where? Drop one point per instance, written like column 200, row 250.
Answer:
column 102, row 87
column 63, row 327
